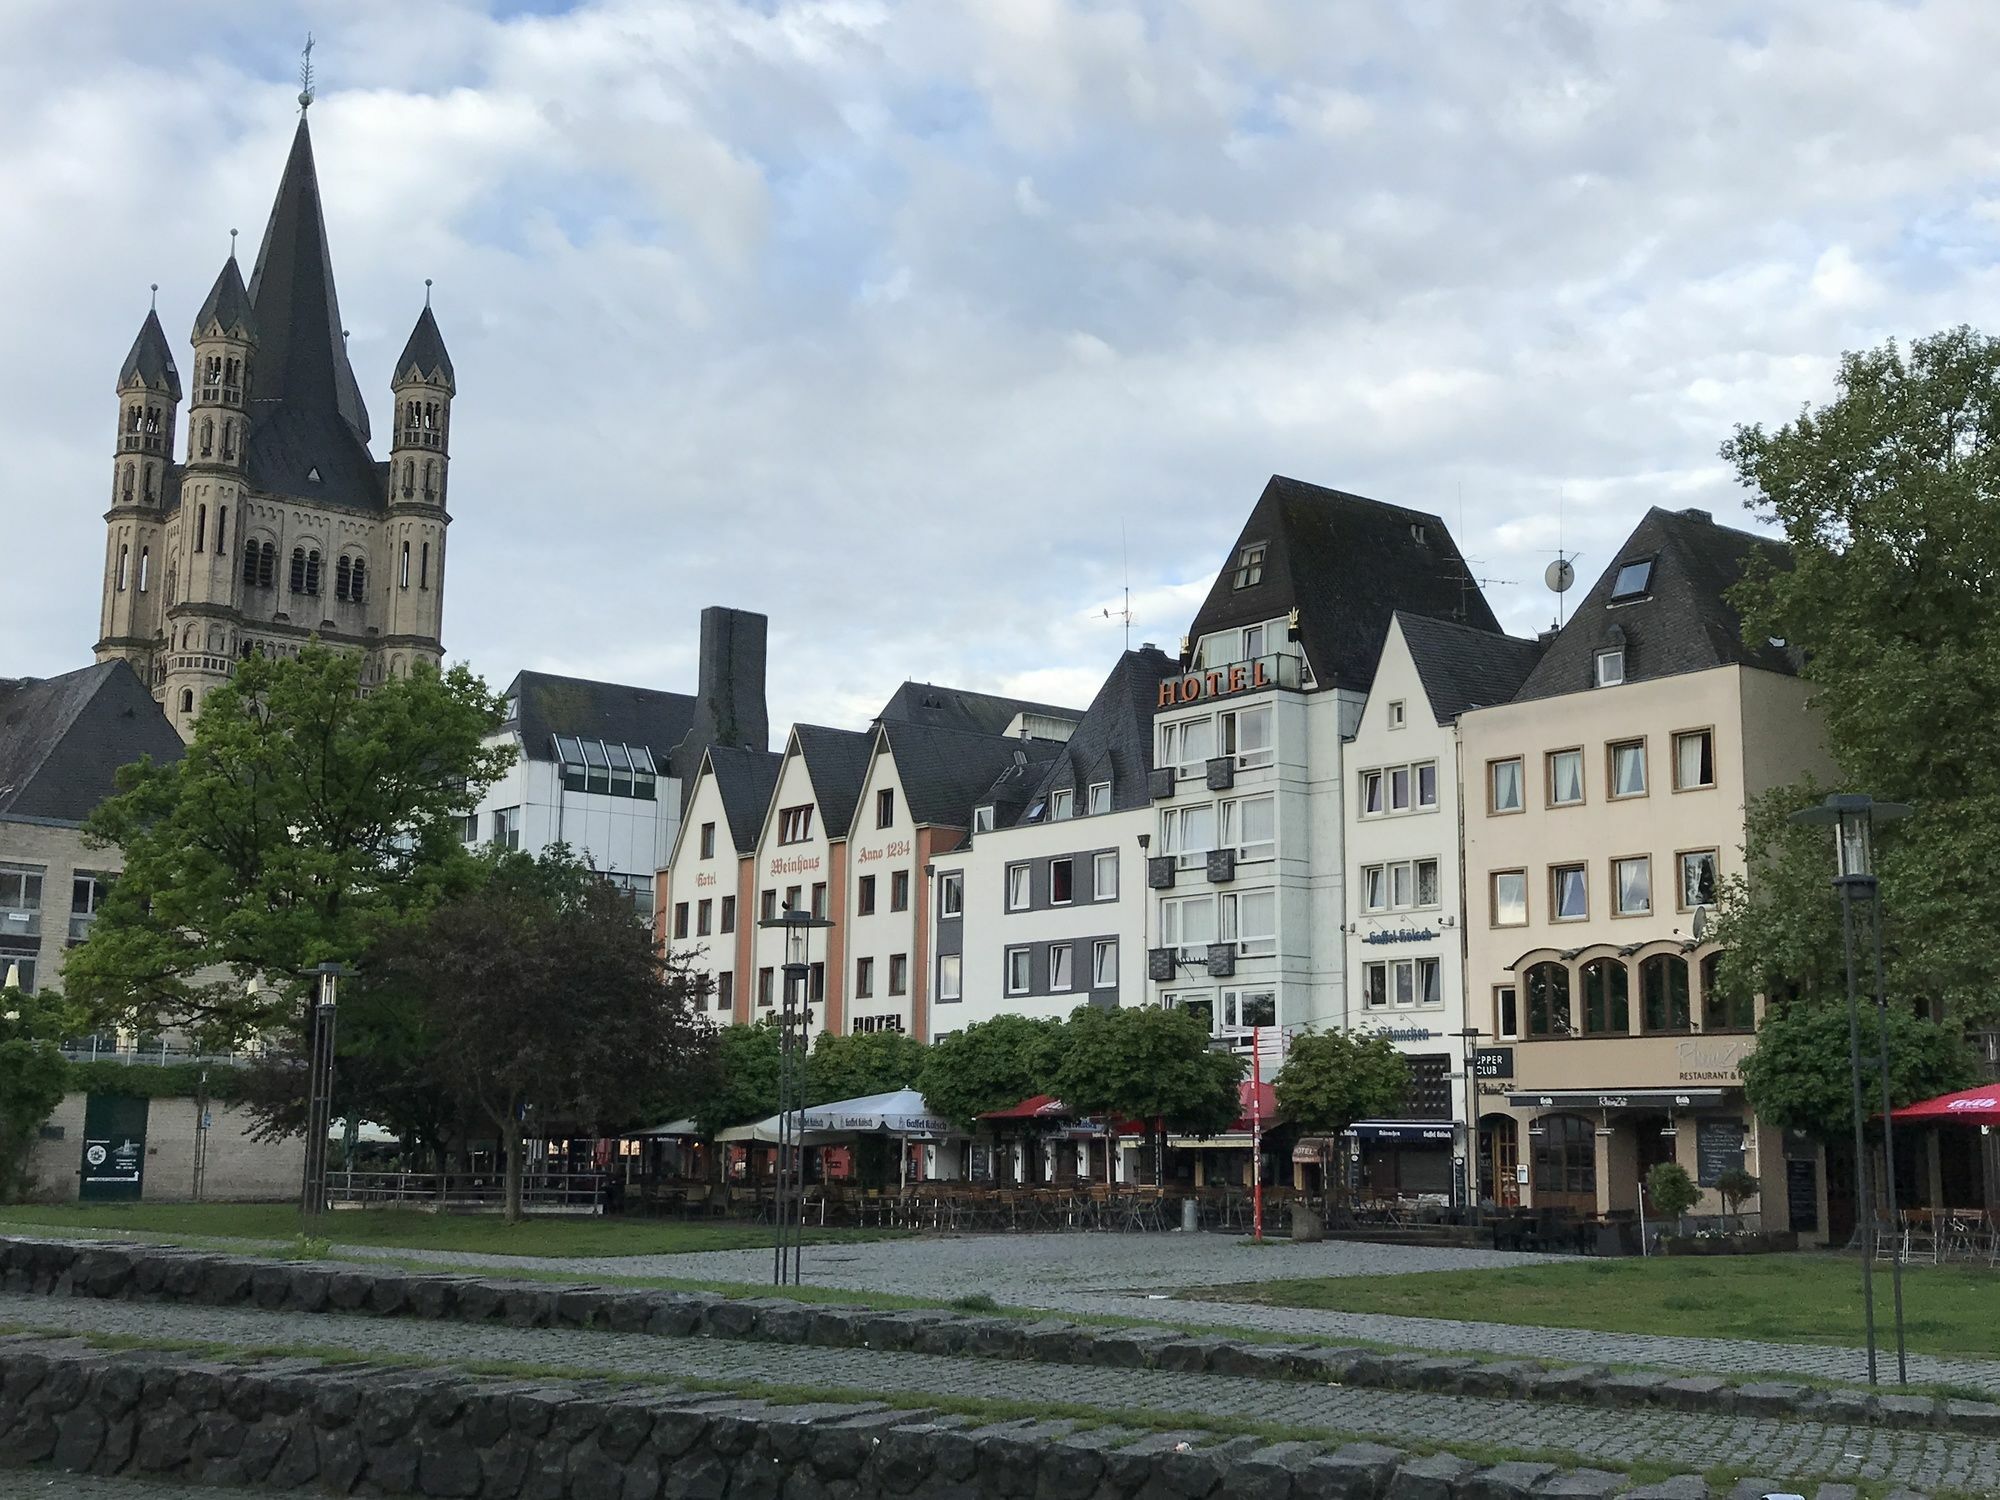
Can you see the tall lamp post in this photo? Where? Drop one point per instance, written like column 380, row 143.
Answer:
column 794, row 1045
column 1852, row 816
column 320, row 1019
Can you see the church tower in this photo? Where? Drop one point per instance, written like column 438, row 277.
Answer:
column 279, row 528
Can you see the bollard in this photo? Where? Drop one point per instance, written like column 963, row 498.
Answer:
column 1187, row 1215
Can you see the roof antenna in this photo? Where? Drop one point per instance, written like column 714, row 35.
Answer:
column 306, row 76
column 1559, row 575
column 427, row 291
column 1124, row 614
column 232, row 244
column 156, row 296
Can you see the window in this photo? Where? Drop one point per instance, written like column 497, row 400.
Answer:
column 1565, row 778
column 1611, row 667
column 86, row 894
column 20, row 900
column 124, row 565
column 951, row 977
column 1062, row 882
column 767, row 906
column 1185, row 747
column 1663, row 993
column 1398, row 715
column 1407, row 787
column 1250, row 566
column 343, row 577
column 725, row 991
column 200, row 527
column 1510, row 898
column 1606, row 1009
column 1250, row 827
column 1198, row 1003
column 1632, row 886
column 1017, row 887
column 680, row 919
column 1374, row 887
column 704, row 918
column 1104, row 875
column 1188, row 835
column 1253, row 643
column 20, row 958
column 1694, row 759
column 1104, row 964
column 1243, row 1010
column 864, row 900
column 766, row 986
column 145, row 567
column 1506, row 1017
column 1427, row 784
column 816, row 982
column 1632, row 580
column 1019, row 971
column 1375, row 986
column 1697, row 878
column 951, row 894
column 1371, row 793
column 1402, row 885
column 982, row 818
column 1401, row 983
column 1399, row 789
column 1569, row 893
column 222, row 535
column 885, row 807
column 1060, row 804
column 1548, row 1000
column 1565, row 1156
column 792, row 893
column 1100, row 797
column 864, row 978
column 899, row 890
column 1187, row 923
column 1246, row 735
column 1061, row 975
column 423, row 568
column 1628, row 768
column 899, row 973
column 795, row 824
column 1250, row 922
column 727, row 915
column 708, row 841
column 1503, row 785
column 1720, row 1011
column 507, row 827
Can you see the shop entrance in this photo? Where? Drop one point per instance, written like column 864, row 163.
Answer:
column 1499, row 1156
column 1565, row 1162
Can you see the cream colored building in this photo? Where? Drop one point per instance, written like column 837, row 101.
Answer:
column 1603, row 806
column 274, row 525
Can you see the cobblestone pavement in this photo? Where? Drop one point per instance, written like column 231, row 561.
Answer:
column 1923, row 1460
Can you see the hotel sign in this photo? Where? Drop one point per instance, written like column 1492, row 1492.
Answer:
column 1243, row 677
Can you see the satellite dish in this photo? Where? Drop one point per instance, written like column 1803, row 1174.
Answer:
column 1701, row 924
column 1559, row 575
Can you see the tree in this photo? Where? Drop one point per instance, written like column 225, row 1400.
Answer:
column 991, row 1065
column 1736, row 1185
column 1800, row 1076
column 1330, row 1079
column 33, row 1077
column 547, row 1005
column 1889, row 496
column 306, row 820
column 745, row 1084
column 869, row 1062
column 1671, row 1191
column 1149, row 1063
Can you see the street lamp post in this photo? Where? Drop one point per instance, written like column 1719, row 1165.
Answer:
column 320, row 1018
column 1468, row 1162
column 794, row 1045
column 1852, row 817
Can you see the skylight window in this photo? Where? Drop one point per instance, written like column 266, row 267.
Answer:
column 1634, row 579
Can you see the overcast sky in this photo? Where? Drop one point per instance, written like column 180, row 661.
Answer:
column 917, row 325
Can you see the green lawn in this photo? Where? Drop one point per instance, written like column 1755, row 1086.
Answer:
column 406, row 1229
column 1790, row 1299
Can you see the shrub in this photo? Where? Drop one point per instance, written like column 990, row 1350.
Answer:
column 1673, row 1192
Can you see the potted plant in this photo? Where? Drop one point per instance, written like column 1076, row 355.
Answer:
column 1736, row 1185
column 1671, row 1191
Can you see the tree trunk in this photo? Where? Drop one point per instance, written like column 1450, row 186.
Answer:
column 512, row 1138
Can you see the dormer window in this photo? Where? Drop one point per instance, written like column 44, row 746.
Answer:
column 1634, row 580
column 1611, row 667
column 982, row 818
column 1100, row 797
column 1250, row 565
column 1060, row 802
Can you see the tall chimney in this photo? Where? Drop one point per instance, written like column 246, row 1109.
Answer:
column 729, row 689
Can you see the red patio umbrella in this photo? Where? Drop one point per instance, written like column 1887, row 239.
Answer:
column 1980, row 1106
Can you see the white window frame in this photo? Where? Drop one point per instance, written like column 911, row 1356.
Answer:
column 1100, row 797
column 1253, row 642
column 1249, row 566
column 1020, row 888
column 1399, row 790
column 1397, row 885
column 1615, row 749
column 951, row 976
column 1024, row 959
column 1183, row 999
column 1061, row 801
column 1694, row 736
column 1229, row 736
column 1374, row 887
column 1101, row 887
column 1229, row 831
column 1582, row 783
column 1375, row 985
column 1618, row 865
column 982, row 818
column 1608, row 666
column 1249, row 944
column 1062, row 968
column 1374, row 803
column 1173, row 923
column 1104, row 964
column 1493, row 784
column 1398, row 714
column 1493, row 880
column 1174, row 746
column 1174, row 834
column 1229, row 1009
column 1070, row 899
column 1581, row 870
column 951, row 893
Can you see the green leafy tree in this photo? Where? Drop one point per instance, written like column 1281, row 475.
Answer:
column 1800, row 1077
column 1889, row 496
column 1148, row 1063
column 991, row 1065
column 546, row 1005
column 306, row 820
column 1670, row 1190
column 33, row 1077
column 1737, row 1186
column 870, row 1062
column 1330, row 1079
column 745, row 1086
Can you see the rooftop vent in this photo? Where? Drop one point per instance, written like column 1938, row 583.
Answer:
column 1420, row 534
column 1694, row 514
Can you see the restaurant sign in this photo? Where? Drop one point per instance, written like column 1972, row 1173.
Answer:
column 1401, row 935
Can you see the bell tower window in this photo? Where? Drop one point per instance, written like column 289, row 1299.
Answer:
column 200, row 528
column 124, row 564
column 405, row 578
column 207, row 436
column 342, row 574
column 424, row 568
column 358, row 581
column 145, row 561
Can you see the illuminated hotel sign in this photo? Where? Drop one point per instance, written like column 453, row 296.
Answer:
column 1243, row 677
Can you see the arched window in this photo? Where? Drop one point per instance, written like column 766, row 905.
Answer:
column 430, row 479
column 173, row 584
column 1663, row 991
column 228, row 439
column 125, row 491
column 424, row 568
column 124, row 564
column 221, row 528
column 187, row 700
column 145, row 566
column 207, row 436
column 200, row 528
column 409, row 477
column 312, row 572
column 267, row 566
column 1548, row 1000
column 151, row 494
column 340, row 578
column 250, row 562
column 1606, row 1010
column 358, row 583
column 405, row 578
column 298, row 578
column 1720, row 1012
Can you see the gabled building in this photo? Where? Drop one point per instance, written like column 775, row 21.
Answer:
column 708, row 889
column 62, row 741
column 1604, row 805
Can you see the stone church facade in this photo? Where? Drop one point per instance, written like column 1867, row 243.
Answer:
column 275, row 525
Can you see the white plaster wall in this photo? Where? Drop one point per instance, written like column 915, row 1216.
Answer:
column 880, row 852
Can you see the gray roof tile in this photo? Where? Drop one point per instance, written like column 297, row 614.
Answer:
column 1115, row 740
column 151, row 362
column 62, row 739
column 1462, row 668
column 550, row 705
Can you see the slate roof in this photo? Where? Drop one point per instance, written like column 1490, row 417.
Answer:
column 1346, row 563
column 958, row 708
column 425, row 353
column 227, row 305
column 309, row 426
column 550, row 705
column 62, row 740
column 1115, row 740
column 746, row 779
column 1462, row 668
column 837, row 761
column 1683, row 623
column 151, row 361
column 946, row 772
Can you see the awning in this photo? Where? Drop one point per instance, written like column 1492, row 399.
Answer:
column 1036, row 1107
column 1623, row 1098
column 673, row 1128
column 1404, row 1132
column 901, row 1112
column 1980, row 1106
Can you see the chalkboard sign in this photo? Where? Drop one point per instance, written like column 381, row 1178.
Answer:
column 1802, row 1193
column 1718, row 1148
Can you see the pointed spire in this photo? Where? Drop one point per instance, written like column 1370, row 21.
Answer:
column 227, row 307
column 304, row 359
column 424, row 356
column 151, row 362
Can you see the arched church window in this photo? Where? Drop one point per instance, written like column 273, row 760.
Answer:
column 342, row 576
column 207, row 436
column 173, row 584
column 430, row 479
column 145, row 567
column 298, row 578
column 267, row 566
column 150, row 493
column 312, row 572
column 250, row 562
column 200, row 528
column 424, row 568
column 409, row 476
column 125, row 492
column 187, row 700
column 228, row 439
column 221, row 528
column 405, row 578
column 124, row 563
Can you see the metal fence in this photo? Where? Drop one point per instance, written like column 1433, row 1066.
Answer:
column 563, row 1192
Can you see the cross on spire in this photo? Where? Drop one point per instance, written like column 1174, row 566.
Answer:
column 306, row 76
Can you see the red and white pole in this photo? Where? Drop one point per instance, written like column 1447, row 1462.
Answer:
column 1257, row 1133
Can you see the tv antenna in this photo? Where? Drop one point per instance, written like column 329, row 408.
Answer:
column 1125, row 613
column 1559, row 575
